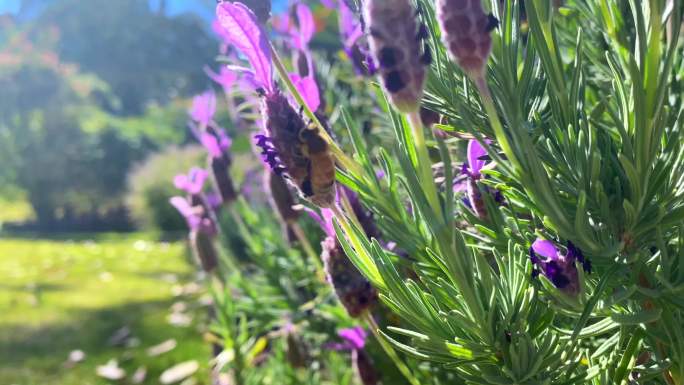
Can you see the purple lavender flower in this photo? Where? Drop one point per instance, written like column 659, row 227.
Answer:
column 269, row 154
column 225, row 77
column 193, row 182
column 307, row 87
column 214, row 139
column 471, row 172
column 559, row 269
column 354, row 341
column 203, row 108
column 202, row 227
column 354, row 42
column 192, row 215
column 283, row 149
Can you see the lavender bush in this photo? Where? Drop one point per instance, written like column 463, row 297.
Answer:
column 499, row 186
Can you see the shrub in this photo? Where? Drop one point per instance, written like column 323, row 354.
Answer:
column 149, row 187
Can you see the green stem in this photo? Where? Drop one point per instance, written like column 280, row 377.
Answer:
column 346, row 162
column 389, row 350
column 424, row 165
column 493, row 116
column 244, row 231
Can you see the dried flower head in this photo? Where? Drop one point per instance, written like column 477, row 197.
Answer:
column 466, row 33
column 396, row 43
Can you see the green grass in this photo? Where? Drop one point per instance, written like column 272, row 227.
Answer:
column 61, row 295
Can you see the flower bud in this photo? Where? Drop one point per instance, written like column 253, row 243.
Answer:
column 396, row 44
column 466, row 33
column 296, row 351
column 354, row 291
column 364, row 367
column 221, row 176
column 202, row 243
column 281, row 198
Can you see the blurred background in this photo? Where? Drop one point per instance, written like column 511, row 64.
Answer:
column 94, row 278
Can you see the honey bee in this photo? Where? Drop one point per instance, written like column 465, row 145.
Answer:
column 319, row 186
column 302, row 151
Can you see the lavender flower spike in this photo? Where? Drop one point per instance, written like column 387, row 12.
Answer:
column 466, row 33
column 203, row 230
column 396, row 42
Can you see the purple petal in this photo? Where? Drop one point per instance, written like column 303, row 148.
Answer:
column 211, row 144
column 203, row 107
column 193, row 182
column 328, row 3
column 225, row 77
column 475, row 152
column 245, row 33
column 324, row 220
column 350, row 27
column 356, row 336
column 546, row 249
column 181, row 204
column 328, row 220
column 308, row 88
column 197, row 177
column 224, row 140
column 307, row 26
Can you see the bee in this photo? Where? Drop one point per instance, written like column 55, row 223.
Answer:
column 302, row 150
column 319, row 186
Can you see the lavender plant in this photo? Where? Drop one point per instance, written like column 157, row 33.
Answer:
column 533, row 236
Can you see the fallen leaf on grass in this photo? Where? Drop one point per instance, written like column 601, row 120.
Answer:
column 179, row 372
column 111, row 371
column 139, row 375
column 162, row 348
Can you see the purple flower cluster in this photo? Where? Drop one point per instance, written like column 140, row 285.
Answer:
column 269, row 154
column 354, row 342
column 198, row 215
column 560, row 269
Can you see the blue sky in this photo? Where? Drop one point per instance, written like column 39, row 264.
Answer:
column 204, row 8
column 11, row 6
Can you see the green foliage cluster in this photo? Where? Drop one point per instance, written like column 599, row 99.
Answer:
column 83, row 97
column 580, row 113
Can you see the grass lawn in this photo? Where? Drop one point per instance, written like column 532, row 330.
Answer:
column 59, row 295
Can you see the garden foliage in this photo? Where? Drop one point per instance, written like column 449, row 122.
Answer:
column 506, row 206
